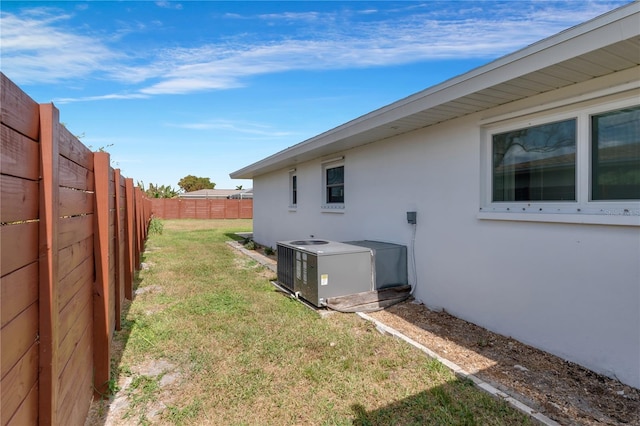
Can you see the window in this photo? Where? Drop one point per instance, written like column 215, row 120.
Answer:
column 335, row 184
column 615, row 158
column 535, row 163
column 576, row 160
column 293, row 189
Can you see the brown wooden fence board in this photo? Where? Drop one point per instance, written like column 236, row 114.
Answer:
column 74, row 202
column 81, row 275
column 74, row 150
column 17, row 337
column 201, row 210
column 77, row 336
column 171, row 209
column 19, row 290
column 72, row 365
column 217, row 211
column 73, row 175
column 75, row 384
column 18, row 110
column 73, row 255
column 70, row 241
column 68, row 315
column 18, row 246
column 27, row 413
column 188, row 209
column 112, row 291
column 232, row 210
column 20, row 155
column 178, row 208
column 74, row 229
column 19, row 199
column 20, row 380
column 76, row 332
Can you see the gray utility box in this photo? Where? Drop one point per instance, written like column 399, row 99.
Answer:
column 318, row 269
column 389, row 263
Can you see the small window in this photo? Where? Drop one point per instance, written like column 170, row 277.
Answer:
column 293, row 189
column 615, row 155
column 334, row 185
column 535, row 163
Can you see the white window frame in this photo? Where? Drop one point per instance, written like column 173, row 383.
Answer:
column 326, row 165
column 293, row 204
column 583, row 210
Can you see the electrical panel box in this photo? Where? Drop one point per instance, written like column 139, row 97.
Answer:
column 412, row 218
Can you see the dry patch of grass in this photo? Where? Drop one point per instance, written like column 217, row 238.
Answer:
column 234, row 351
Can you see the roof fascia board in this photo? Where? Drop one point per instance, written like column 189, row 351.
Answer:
column 617, row 25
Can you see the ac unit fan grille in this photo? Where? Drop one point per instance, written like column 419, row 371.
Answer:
column 285, row 266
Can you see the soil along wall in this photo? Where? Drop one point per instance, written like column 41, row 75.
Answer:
column 72, row 229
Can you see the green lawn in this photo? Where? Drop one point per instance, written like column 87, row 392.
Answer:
column 245, row 354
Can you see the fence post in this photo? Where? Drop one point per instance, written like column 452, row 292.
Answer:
column 48, row 264
column 118, row 250
column 129, row 235
column 139, row 225
column 101, row 294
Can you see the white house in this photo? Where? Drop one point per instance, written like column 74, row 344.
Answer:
column 525, row 176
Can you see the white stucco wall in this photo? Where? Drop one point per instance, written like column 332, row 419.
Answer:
column 567, row 288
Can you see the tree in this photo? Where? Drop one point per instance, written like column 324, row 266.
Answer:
column 193, row 183
column 158, row 191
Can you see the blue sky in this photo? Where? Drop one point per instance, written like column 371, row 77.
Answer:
column 206, row 87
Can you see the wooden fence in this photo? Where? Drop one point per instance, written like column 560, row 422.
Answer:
column 72, row 229
column 179, row 208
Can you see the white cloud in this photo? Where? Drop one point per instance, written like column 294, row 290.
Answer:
column 169, row 5
column 111, row 96
column 39, row 47
column 243, row 127
column 292, row 16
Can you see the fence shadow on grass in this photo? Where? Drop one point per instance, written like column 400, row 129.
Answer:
column 444, row 404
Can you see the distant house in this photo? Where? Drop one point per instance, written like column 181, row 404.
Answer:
column 243, row 194
column 218, row 194
column 525, row 176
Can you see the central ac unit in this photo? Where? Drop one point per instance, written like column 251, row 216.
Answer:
column 319, row 269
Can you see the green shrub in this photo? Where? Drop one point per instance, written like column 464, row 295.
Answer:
column 269, row 251
column 250, row 245
column 155, row 226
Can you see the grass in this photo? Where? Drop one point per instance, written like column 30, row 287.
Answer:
column 248, row 355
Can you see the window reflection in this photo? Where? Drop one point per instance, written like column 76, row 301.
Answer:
column 615, row 138
column 535, row 163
